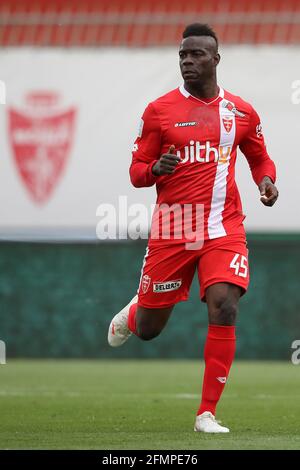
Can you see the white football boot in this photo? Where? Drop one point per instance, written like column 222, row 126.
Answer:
column 206, row 422
column 118, row 331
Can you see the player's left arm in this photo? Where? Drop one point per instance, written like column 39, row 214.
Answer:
column 262, row 167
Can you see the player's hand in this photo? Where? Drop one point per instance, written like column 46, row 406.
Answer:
column 268, row 191
column 167, row 163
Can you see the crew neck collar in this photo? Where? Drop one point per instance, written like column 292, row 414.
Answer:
column 185, row 93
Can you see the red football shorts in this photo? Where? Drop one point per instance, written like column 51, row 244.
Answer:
column 168, row 270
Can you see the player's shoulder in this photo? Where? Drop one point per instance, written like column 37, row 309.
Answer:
column 167, row 99
column 239, row 103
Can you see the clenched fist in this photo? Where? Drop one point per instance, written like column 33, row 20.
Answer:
column 268, row 192
column 167, row 163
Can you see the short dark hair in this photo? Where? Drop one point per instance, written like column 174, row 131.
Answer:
column 199, row 29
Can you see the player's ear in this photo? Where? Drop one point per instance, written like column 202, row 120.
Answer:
column 217, row 58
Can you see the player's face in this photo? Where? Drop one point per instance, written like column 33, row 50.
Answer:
column 198, row 58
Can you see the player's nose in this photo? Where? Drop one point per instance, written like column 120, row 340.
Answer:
column 187, row 61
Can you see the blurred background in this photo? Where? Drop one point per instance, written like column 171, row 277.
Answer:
column 78, row 75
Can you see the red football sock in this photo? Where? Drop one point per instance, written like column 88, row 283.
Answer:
column 218, row 355
column 131, row 318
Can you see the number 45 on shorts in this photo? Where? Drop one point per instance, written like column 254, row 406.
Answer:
column 239, row 264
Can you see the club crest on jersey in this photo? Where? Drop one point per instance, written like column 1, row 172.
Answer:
column 227, row 123
column 146, row 281
column 186, row 124
column 232, row 108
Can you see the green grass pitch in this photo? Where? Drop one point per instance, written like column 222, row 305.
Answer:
column 93, row 404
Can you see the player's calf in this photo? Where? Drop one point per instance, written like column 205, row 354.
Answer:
column 149, row 322
column 143, row 322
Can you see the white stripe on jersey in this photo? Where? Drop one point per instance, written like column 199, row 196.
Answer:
column 215, row 224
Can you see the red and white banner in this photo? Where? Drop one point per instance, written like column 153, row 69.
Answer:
column 41, row 140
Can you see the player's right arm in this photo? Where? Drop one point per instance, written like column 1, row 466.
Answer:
column 147, row 164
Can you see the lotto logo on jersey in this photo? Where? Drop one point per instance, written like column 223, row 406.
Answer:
column 204, row 153
column 160, row 287
column 186, row 124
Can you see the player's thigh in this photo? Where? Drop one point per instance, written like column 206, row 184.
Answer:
column 224, row 262
column 166, row 276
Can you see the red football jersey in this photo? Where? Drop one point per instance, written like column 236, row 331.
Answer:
column 206, row 134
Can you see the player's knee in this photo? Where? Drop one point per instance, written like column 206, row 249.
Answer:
column 224, row 311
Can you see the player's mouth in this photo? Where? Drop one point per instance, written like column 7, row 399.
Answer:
column 189, row 74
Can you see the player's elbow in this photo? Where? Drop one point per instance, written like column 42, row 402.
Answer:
column 135, row 181
column 137, row 177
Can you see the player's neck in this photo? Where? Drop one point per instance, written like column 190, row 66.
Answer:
column 203, row 90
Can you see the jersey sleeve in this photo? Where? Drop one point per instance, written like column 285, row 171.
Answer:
column 146, row 149
column 254, row 148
